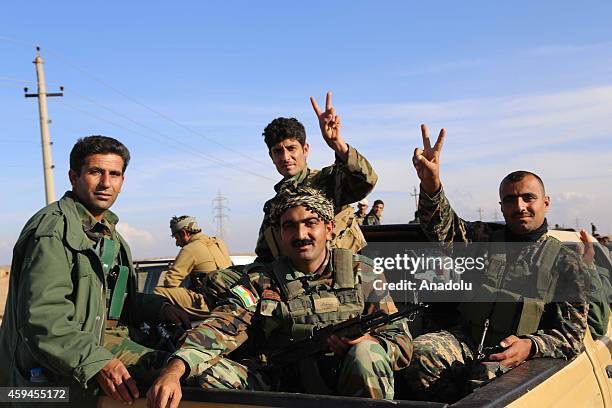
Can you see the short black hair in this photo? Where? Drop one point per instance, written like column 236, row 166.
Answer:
column 517, row 176
column 284, row 128
column 378, row 202
column 97, row 144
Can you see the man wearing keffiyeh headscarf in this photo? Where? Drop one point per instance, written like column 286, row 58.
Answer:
column 270, row 306
column 302, row 218
column 200, row 254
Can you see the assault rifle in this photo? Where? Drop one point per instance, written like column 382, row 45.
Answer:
column 353, row 328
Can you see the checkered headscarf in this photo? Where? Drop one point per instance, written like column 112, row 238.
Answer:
column 311, row 198
column 185, row 222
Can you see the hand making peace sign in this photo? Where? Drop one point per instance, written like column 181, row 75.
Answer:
column 329, row 123
column 427, row 161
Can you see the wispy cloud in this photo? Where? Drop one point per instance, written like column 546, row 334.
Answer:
column 488, row 127
column 132, row 234
column 442, row 67
column 565, row 49
column 563, row 136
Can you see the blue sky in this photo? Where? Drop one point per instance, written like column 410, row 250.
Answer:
column 517, row 85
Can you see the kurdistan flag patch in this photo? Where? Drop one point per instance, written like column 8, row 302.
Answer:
column 246, row 296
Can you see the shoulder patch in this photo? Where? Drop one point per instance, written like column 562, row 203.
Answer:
column 247, row 297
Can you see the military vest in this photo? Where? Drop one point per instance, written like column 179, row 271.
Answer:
column 306, row 305
column 513, row 294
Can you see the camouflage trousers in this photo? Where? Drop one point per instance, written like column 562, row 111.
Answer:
column 441, row 365
column 365, row 371
column 188, row 300
column 143, row 363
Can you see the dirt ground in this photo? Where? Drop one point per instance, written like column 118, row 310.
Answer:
column 4, row 274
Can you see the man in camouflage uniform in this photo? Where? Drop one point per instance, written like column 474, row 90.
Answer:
column 349, row 179
column 374, row 217
column 70, row 271
column 199, row 255
column 537, row 262
column 362, row 211
column 269, row 305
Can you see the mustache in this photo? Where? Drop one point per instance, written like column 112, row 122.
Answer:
column 519, row 213
column 301, row 242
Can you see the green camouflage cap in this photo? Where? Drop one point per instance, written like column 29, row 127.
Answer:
column 184, row 222
column 311, row 198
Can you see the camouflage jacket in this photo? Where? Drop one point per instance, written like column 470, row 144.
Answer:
column 344, row 183
column 201, row 254
column 563, row 324
column 251, row 297
column 371, row 219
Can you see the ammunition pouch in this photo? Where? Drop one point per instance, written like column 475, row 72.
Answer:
column 514, row 295
column 303, row 308
column 508, row 313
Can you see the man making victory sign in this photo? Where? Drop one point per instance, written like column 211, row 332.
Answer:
column 531, row 298
column 346, row 181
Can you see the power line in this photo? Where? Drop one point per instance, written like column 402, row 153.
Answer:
column 17, row 42
column 149, row 128
column 166, row 117
column 21, row 81
column 156, row 112
column 179, row 145
column 137, row 102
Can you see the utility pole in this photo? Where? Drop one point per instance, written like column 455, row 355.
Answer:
column 45, row 138
column 219, row 204
column 480, row 214
column 416, row 198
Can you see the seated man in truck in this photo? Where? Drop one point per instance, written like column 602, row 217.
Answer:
column 199, row 255
column 362, row 211
column 73, row 290
column 268, row 307
column 374, row 217
column 547, row 319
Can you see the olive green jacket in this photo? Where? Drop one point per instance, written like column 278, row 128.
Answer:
column 55, row 314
